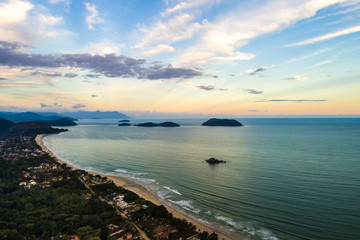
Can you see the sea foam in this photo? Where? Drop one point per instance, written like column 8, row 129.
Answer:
column 173, row 190
column 186, row 204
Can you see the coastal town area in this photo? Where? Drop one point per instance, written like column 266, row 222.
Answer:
column 42, row 198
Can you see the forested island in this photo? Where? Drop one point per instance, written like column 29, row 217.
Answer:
column 164, row 124
column 222, row 123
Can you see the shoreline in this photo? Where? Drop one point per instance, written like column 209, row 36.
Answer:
column 143, row 192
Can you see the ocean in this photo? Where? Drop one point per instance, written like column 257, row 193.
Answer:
column 284, row 178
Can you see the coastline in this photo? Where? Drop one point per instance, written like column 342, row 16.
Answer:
column 146, row 194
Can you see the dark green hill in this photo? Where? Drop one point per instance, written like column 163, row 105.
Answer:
column 34, row 128
column 5, row 125
column 62, row 122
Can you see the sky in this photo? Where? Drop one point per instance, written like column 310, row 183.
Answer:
column 181, row 57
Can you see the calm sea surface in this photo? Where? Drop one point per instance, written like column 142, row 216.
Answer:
column 284, row 178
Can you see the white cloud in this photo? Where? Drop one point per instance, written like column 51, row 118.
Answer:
column 159, row 49
column 189, row 4
column 66, row 2
column 103, row 48
column 231, row 31
column 326, row 36
column 298, row 78
column 14, row 12
column 49, row 20
column 324, row 62
column 92, row 17
column 13, row 15
column 22, row 22
column 177, row 28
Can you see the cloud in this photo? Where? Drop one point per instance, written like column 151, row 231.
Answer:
column 53, row 74
column 177, row 28
column 297, row 78
column 326, row 36
column 92, row 75
column 2, row 79
column 292, row 100
column 159, row 49
column 53, row 105
column 225, row 35
column 21, row 21
column 93, row 95
column 46, row 74
column 70, row 75
column 66, row 2
column 255, row 110
column 103, row 48
column 189, row 4
column 252, row 91
column 109, row 65
column 210, row 88
column 206, row 87
column 92, row 17
column 255, row 71
column 78, row 106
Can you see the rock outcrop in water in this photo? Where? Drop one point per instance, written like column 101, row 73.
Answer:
column 164, row 124
column 124, row 124
column 214, row 161
column 222, row 122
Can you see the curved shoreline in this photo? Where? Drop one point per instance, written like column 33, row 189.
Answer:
column 143, row 192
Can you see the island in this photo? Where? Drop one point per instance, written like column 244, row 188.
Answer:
column 222, row 122
column 214, row 161
column 124, row 121
column 164, row 124
column 124, row 124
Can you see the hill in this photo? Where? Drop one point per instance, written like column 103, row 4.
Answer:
column 62, row 122
column 34, row 128
column 31, row 116
column 5, row 125
column 96, row 115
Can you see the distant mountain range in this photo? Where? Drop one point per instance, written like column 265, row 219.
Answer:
column 96, row 115
column 52, row 117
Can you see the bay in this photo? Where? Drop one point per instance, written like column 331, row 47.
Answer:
column 284, row 178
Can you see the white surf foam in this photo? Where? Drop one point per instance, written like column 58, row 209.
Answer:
column 186, row 204
column 173, row 190
column 121, row 170
column 228, row 221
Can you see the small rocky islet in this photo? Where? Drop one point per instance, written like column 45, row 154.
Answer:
column 214, row 161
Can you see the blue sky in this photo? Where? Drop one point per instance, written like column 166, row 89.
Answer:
column 217, row 57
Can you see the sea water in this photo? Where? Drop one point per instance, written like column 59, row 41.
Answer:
column 283, row 178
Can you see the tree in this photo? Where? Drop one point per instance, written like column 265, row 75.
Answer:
column 104, row 233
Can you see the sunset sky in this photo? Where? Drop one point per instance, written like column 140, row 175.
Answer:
column 220, row 57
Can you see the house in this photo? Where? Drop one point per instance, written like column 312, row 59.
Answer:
column 119, row 201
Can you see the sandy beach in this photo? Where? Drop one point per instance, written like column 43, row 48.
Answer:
column 146, row 194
